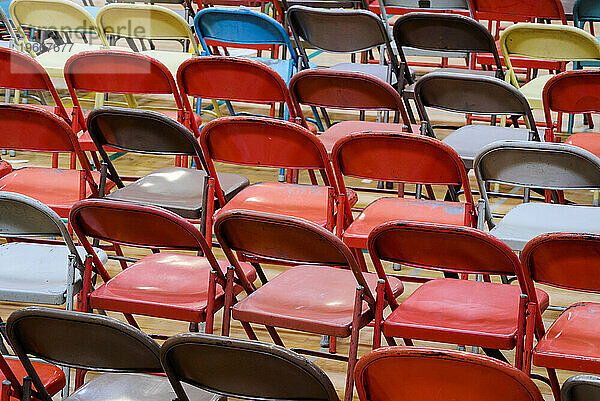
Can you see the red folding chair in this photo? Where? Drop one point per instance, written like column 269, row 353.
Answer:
column 265, row 142
column 566, row 261
column 425, row 374
column 232, row 79
column 467, row 312
column 348, row 91
column 12, row 388
column 402, row 158
column 574, row 92
column 31, row 128
column 169, row 285
column 325, row 292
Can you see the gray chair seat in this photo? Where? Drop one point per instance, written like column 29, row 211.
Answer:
column 178, row 189
column 469, row 140
column 135, row 387
column 37, row 273
column 528, row 220
column 379, row 70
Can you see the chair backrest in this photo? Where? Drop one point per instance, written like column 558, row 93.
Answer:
column 242, row 369
column 80, row 340
column 53, row 15
column 338, row 30
column 345, row 90
column 20, row 71
column 581, row 388
column 240, row 26
column 262, row 142
column 113, row 71
column 514, row 10
column 471, row 93
column 563, row 260
column 378, row 371
column 231, row 78
column 585, row 11
column 444, row 32
column 144, row 21
column 285, row 239
column 399, row 157
column 140, row 131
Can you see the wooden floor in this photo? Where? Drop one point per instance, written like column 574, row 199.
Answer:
column 138, row 165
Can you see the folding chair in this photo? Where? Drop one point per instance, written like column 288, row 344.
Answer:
column 94, row 342
column 586, row 11
column 246, row 369
column 263, row 142
column 169, row 285
column 544, row 42
column 580, row 388
column 543, row 165
column 479, row 95
column 33, row 129
column 448, row 310
column 232, row 79
column 458, row 375
column 151, row 23
column 573, row 92
column 567, row 261
column 58, row 17
column 350, row 91
column 178, row 189
column 325, row 292
column 243, row 28
column 11, row 369
column 403, row 158
column 344, row 31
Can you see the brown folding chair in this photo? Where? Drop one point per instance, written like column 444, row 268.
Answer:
column 246, row 369
column 324, row 293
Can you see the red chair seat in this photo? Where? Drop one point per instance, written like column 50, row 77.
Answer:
column 57, row 188
column 586, row 140
column 389, row 209
column 460, row 312
column 305, row 201
column 53, row 378
column 314, row 299
column 168, row 285
column 341, row 129
column 573, row 340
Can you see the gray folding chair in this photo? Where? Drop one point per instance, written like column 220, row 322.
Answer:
column 244, row 369
column 474, row 94
column 543, row 165
column 581, row 388
column 93, row 342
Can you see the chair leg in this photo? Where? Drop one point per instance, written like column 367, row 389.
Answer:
column 249, row 332
column 275, row 336
column 352, row 355
column 5, row 390
column 554, row 384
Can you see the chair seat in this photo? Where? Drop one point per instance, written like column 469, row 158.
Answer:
column 51, row 376
column 57, row 188
column 171, row 59
column 313, row 299
column 285, row 68
column 308, row 202
column 528, row 220
column 532, row 91
column 167, row 285
column 460, row 312
column 380, row 71
column 178, row 189
column 573, row 340
column 389, row 209
column 135, row 387
column 587, row 140
column 54, row 60
column 343, row 128
column 37, row 273
column 469, row 140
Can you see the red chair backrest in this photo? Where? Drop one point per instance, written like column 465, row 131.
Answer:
column 231, row 78
column 21, row 71
column 517, row 10
column 563, row 260
column 114, row 71
column 576, row 91
column 439, row 374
